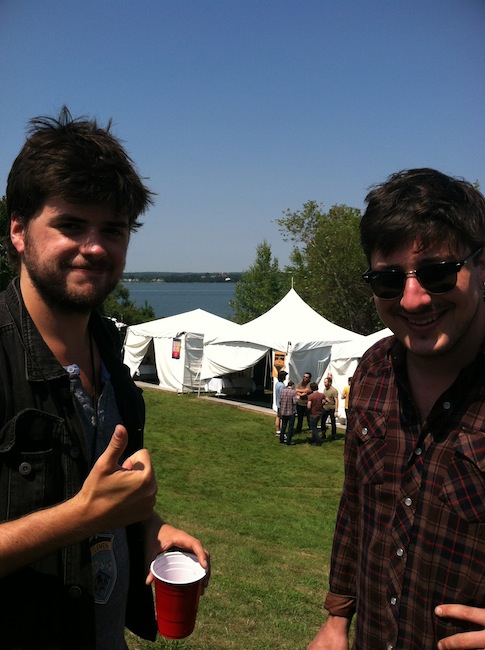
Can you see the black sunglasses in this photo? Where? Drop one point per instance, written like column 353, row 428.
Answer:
column 434, row 278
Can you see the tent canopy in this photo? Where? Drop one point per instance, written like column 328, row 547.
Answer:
column 291, row 322
column 197, row 320
column 291, row 326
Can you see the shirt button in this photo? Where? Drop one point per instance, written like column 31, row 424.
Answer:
column 418, row 451
column 446, row 406
column 393, row 600
column 408, row 501
column 365, row 431
column 25, row 469
column 74, row 592
column 75, row 452
column 399, row 552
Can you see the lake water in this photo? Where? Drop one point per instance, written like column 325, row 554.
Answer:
column 170, row 298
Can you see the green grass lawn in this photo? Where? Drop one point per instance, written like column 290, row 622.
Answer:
column 265, row 511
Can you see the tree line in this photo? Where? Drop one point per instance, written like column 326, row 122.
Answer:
column 325, row 269
column 188, row 277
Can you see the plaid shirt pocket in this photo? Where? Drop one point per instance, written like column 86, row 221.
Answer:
column 463, row 490
column 371, row 449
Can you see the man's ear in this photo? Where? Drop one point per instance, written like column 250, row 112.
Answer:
column 17, row 233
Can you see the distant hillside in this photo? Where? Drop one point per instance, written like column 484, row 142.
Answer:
column 160, row 276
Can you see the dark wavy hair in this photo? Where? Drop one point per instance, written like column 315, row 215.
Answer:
column 75, row 159
column 423, row 206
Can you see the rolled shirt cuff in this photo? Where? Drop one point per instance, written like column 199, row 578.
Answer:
column 340, row 605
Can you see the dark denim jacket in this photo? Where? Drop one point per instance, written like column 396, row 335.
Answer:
column 43, row 461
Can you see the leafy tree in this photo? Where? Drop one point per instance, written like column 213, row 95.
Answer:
column 260, row 287
column 7, row 272
column 118, row 305
column 327, row 262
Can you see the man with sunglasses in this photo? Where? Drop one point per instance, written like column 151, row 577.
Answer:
column 409, row 549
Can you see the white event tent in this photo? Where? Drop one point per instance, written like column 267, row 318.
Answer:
column 345, row 357
column 291, row 327
column 174, row 346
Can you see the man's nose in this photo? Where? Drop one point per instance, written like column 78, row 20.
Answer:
column 93, row 244
column 414, row 295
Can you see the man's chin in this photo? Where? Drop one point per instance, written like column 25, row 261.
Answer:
column 427, row 346
column 75, row 306
column 74, row 301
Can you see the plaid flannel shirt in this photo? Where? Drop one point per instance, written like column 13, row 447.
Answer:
column 287, row 401
column 410, row 531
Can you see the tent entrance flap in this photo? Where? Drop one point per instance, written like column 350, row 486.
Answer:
column 194, row 351
column 178, row 362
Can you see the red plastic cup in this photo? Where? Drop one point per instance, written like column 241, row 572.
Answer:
column 178, row 585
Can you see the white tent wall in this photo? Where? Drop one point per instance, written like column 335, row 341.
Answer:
column 194, row 353
column 313, row 360
column 344, row 359
column 304, row 359
column 341, row 370
column 179, row 374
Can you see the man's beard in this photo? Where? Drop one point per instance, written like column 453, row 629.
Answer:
column 52, row 287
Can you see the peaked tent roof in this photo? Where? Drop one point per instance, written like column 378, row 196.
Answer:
column 291, row 322
column 197, row 321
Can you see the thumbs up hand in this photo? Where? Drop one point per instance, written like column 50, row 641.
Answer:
column 115, row 495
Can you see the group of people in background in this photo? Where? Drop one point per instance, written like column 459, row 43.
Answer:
column 305, row 402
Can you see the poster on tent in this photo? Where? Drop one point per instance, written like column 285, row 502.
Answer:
column 279, row 362
column 176, row 346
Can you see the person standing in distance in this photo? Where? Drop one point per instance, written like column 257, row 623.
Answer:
column 315, row 408
column 302, row 391
column 345, row 396
column 330, row 407
column 287, row 408
column 408, row 557
column 280, row 384
column 77, row 490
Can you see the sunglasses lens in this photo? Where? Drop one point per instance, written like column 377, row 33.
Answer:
column 387, row 284
column 438, row 278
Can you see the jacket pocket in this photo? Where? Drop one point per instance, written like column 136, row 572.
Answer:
column 370, row 429
column 463, row 490
column 30, row 463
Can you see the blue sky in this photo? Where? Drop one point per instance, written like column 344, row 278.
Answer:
column 235, row 110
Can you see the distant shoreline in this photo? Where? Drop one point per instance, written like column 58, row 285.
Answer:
column 160, row 276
